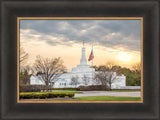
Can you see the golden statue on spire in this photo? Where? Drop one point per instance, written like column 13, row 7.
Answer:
column 83, row 42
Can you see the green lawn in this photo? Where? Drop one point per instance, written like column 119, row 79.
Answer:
column 101, row 98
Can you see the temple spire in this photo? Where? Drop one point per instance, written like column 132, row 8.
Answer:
column 83, row 60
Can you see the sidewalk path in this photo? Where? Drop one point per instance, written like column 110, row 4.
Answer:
column 104, row 93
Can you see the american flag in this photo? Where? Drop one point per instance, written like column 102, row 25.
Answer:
column 91, row 56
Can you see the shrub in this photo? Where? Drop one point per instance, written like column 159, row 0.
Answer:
column 75, row 89
column 44, row 95
column 93, row 87
column 53, row 95
column 62, row 95
column 26, row 95
column 32, row 88
column 36, row 96
column 70, row 94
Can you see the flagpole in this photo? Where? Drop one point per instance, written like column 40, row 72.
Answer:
column 92, row 62
column 92, row 53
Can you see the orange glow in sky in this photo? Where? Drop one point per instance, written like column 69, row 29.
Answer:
column 116, row 40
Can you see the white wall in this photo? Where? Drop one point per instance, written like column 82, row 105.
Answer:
column 35, row 81
column 65, row 80
column 119, row 82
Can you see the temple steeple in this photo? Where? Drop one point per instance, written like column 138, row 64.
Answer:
column 83, row 67
column 83, row 60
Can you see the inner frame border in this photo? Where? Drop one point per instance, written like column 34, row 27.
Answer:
column 77, row 18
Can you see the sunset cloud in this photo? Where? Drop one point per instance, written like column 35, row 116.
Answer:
column 110, row 38
column 108, row 33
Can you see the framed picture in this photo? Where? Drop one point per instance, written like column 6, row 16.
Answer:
column 76, row 58
column 52, row 80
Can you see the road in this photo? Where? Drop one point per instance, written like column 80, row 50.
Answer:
column 104, row 93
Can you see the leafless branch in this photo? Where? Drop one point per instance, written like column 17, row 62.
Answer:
column 23, row 56
column 48, row 70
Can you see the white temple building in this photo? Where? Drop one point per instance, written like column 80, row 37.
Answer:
column 83, row 73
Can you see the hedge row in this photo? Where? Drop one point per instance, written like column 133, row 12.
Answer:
column 44, row 95
column 93, row 87
column 75, row 89
column 32, row 88
column 39, row 88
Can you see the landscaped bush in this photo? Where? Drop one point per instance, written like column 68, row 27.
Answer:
column 39, row 88
column 93, row 87
column 70, row 95
column 75, row 89
column 44, row 95
column 32, row 88
column 26, row 95
column 35, row 95
column 53, row 95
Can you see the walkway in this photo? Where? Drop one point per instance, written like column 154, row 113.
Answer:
column 104, row 93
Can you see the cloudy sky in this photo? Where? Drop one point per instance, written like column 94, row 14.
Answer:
column 117, row 40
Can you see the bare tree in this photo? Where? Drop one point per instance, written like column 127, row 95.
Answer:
column 25, row 75
column 112, row 72
column 85, row 79
column 48, row 70
column 95, row 67
column 106, row 75
column 23, row 56
column 137, row 67
column 24, row 70
column 74, row 81
column 101, row 77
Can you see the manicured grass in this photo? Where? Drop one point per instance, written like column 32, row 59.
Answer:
column 101, row 98
column 124, row 91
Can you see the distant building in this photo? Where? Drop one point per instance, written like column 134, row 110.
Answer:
column 83, row 73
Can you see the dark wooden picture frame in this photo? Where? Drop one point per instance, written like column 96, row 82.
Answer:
column 148, row 9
